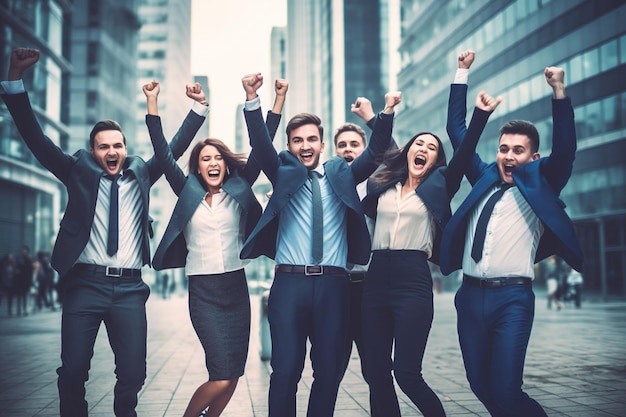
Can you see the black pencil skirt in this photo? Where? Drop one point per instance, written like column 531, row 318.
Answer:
column 219, row 307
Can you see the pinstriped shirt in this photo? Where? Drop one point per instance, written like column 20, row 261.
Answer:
column 130, row 207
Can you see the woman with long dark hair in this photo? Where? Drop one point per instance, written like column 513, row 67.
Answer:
column 409, row 199
column 215, row 212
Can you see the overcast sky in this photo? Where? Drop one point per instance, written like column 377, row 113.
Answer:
column 228, row 40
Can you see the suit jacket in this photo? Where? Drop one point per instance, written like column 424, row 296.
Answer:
column 441, row 185
column 287, row 175
column 540, row 182
column 172, row 250
column 81, row 176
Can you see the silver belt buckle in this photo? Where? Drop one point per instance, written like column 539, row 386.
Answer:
column 112, row 271
column 313, row 270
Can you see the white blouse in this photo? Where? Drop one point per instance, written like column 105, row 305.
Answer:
column 402, row 222
column 214, row 236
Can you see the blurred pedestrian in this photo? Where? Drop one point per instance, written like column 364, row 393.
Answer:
column 552, row 282
column 44, row 277
column 8, row 271
column 574, row 286
column 23, row 280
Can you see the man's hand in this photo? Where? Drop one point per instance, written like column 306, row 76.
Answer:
column 555, row 77
column 251, row 83
column 281, row 86
column 466, row 58
column 194, row 92
column 151, row 89
column 392, row 99
column 21, row 60
column 362, row 107
column 487, row 103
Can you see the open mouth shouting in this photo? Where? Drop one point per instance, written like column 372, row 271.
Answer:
column 214, row 173
column 419, row 161
column 112, row 165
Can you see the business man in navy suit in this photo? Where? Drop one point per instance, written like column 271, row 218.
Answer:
column 100, row 276
column 309, row 297
column 495, row 303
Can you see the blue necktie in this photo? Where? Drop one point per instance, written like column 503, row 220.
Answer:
column 318, row 219
column 112, row 241
column 483, row 220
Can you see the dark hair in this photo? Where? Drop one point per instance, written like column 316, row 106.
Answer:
column 233, row 160
column 350, row 127
column 102, row 126
column 302, row 119
column 395, row 163
column 522, row 127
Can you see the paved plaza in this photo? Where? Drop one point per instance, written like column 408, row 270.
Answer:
column 576, row 365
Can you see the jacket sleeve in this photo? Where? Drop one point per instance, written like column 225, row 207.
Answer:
column 180, row 142
column 253, row 169
column 368, row 161
column 163, row 154
column 261, row 142
column 462, row 158
column 557, row 168
column 43, row 148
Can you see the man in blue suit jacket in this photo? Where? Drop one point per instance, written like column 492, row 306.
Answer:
column 495, row 303
column 309, row 298
column 100, row 283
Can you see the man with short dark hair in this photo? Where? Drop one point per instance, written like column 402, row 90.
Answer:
column 309, row 296
column 511, row 219
column 100, row 248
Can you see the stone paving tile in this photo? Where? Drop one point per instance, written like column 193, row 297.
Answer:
column 576, row 365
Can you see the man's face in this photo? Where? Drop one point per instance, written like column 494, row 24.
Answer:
column 514, row 150
column 304, row 142
column 349, row 146
column 109, row 151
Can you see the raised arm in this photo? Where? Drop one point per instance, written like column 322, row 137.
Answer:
column 43, row 148
column 557, row 168
column 273, row 116
column 368, row 161
column 260, row 141
column 462, row 158
column 362, row 107
column 186, row 132
column 162, row 152
column 457, row 103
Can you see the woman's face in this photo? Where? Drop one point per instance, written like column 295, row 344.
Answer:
column 212, row 168
column 422, row 155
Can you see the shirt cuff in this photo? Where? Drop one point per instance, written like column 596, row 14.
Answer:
column 13, row 87
column 461, row 76
column 253, row 104
column 200, row 109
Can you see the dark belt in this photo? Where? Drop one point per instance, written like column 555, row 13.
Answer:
column 356, row 276
column 109, row 271
column 311, row 269
column 496, row 282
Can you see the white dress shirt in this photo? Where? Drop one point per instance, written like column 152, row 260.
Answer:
column 513, row 234
column 215, row 236
column 130, row 226
column 402, row 222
